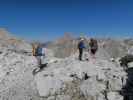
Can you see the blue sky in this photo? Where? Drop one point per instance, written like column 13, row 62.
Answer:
column 49, row 19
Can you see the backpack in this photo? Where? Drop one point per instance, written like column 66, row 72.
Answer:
column 94, row 45
column 81, row 45
column 39, row 51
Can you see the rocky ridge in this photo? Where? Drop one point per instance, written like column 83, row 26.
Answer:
column 63, row 78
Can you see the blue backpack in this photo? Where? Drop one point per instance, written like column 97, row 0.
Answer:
column 39, row 51
column 81, row 45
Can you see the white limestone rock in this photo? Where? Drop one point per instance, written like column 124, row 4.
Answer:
column 71, row 70
column 114, row 96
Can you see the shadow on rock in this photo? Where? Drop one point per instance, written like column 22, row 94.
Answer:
column 127, row 90
column 39, row 69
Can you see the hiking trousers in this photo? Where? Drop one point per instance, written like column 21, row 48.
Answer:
column 80, row 53
column 93, row 51
column 40, row 59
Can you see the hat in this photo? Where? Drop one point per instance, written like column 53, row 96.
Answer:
column 82, row 39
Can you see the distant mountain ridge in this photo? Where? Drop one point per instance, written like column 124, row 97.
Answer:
column 66, row 46
column 12, row 42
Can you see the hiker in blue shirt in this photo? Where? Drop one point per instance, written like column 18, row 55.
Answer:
column 81, row 46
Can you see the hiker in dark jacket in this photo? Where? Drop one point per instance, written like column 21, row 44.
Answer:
column 93, row 47
column 81, row 46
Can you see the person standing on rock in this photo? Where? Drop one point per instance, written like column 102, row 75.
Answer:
column 40, row 54
column 93, row 47
column 81, row 46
